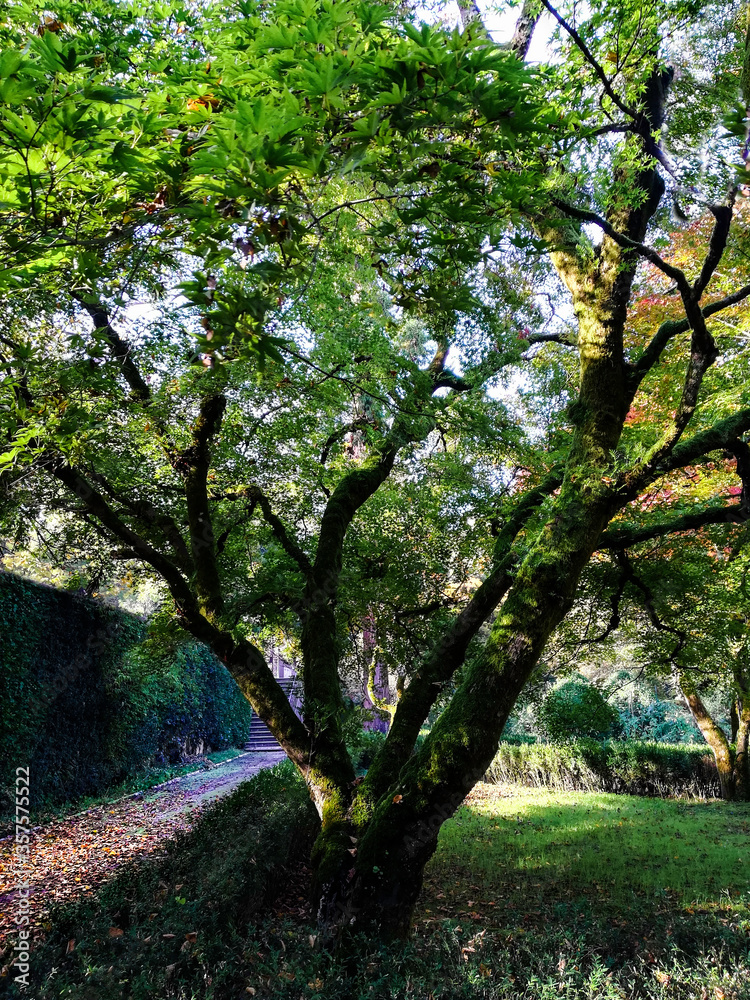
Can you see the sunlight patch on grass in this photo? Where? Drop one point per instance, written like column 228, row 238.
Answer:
column 611, row 849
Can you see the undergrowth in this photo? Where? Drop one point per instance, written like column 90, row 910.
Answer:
column 532, row 895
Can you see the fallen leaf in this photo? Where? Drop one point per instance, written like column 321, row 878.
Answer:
column 116, row 932
column 71, row 946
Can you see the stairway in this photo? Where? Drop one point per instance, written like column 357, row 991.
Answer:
column 260, row 739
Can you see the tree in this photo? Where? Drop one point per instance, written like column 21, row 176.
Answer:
column 682, row 602
column 450, row 187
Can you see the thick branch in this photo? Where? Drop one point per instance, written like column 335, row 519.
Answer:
column 716, row 438
column 340, row 433
column 120, row 348
column 741, row 452
column 551, row 338
column 618, row 538
column 279, row 530
column 673, row 328
column 527, row 21
column 193, row 465
column 98, row 507
column 723, row 216
column 648, row 253
column 449, row 652
column 163, row 524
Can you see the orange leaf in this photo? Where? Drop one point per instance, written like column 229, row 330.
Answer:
column 397, row 798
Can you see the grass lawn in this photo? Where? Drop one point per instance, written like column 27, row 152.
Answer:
column 531, row 895
column 652, row 896
column 612, row 853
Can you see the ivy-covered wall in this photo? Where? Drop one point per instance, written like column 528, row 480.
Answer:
column 85, row 702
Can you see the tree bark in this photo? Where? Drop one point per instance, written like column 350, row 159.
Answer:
column 742, row 736
column 398, row 838
column 395, row 825
column 713, row 734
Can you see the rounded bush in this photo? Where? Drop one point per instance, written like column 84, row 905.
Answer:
column 577, row 709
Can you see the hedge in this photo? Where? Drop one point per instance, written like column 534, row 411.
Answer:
column 632, row 767
column 85, row 702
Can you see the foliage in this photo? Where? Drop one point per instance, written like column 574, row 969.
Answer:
column 632, row 767
column 654, row 721
column 576, row 708
column 365, row 749
column 85, row 703
column 212, row 881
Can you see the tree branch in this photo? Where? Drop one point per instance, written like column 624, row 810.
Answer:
column 591, row 60
column 146, row 512
column 120, row 348
column 447, row 655
column 527, row 21
column 625, row 538
column 193, row 465
column 98, row 507
column 673, row 328
column 340, row 433
column 723, row 216
column 622, row 560
column 279, row 530
column 648, row 253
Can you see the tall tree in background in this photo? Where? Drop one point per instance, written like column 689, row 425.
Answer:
column 455, row 193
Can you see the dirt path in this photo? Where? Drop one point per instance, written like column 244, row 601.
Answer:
column 72, row 857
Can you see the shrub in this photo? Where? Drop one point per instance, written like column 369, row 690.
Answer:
column 576, row 709
column 365, row 748
column 85, row 702
column 656, row 721
column 632, row 767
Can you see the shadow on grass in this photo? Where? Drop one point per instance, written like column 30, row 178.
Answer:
column 174, row 918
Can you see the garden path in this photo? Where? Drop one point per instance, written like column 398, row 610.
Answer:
column 72, row 856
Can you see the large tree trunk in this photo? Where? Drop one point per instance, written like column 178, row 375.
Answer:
column 742, row 735
column 380, row 878
column 397, row 811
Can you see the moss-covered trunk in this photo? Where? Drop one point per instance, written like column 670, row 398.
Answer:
column 742, row 736
column 395, row 839
column 742, row 754
column 714, row 735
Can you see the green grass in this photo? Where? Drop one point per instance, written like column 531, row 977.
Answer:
column 620, row 850
column 531, row 895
